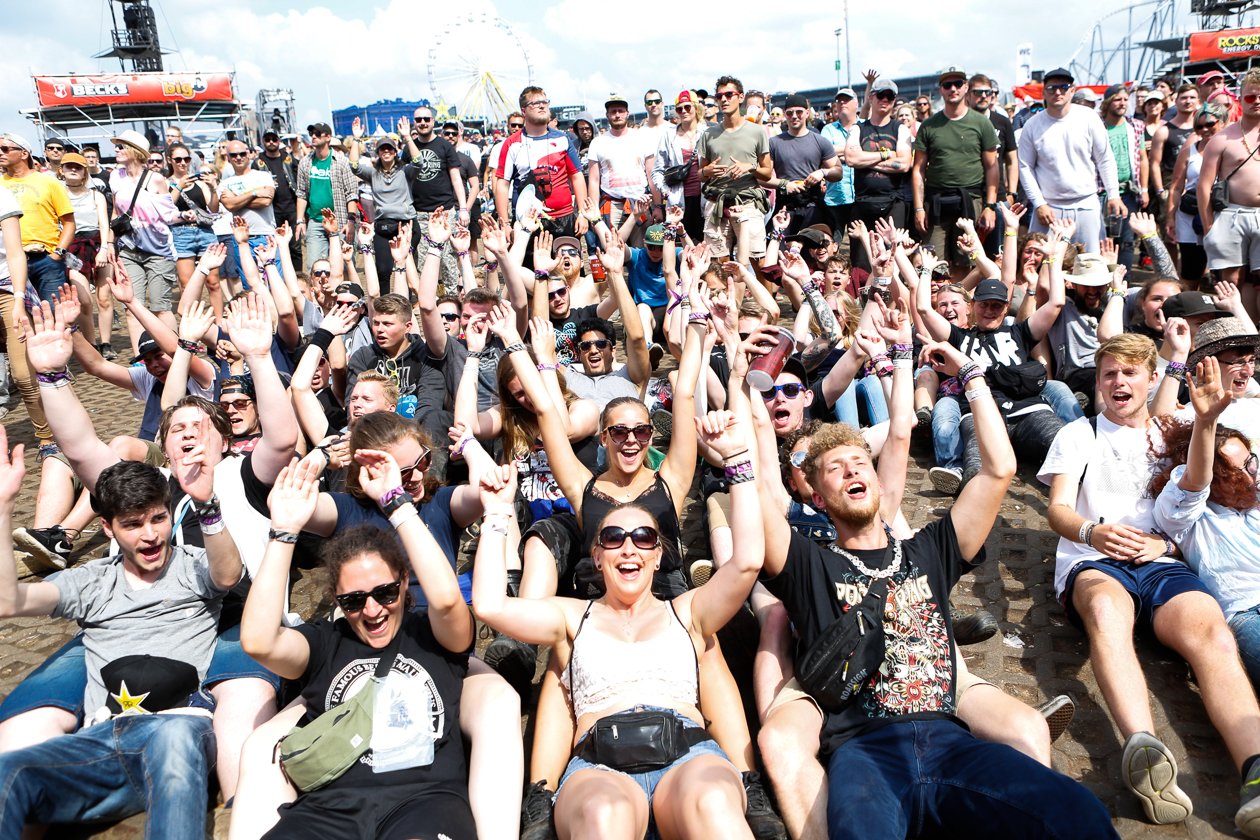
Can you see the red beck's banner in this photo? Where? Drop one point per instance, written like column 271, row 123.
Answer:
column 133, row 89
column 1226, row 43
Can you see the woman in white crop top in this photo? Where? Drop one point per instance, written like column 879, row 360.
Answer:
column 629, row 651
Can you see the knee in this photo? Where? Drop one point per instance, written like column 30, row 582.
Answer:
column 128, row 448
column 784, row 745
column 1107, row 613
column 716, row 800
column 493, row 703
column 1218, row 641
column 1028, row 732
column 604, row 812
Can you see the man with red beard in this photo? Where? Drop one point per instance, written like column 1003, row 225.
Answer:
column 898, row 761
column 1114, row 572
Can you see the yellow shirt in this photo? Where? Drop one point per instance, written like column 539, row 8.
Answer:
column 44, row 201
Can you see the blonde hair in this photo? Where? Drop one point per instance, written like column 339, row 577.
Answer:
column 1129, row 348
column 388, row 385
column 829, row 437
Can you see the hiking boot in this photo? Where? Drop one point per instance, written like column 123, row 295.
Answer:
column 760, row 814
column 514, row 660
column 923, row 417
column 979, row 626
column 1248, row 817
column 49, row 548
column 1058, row 713
column 700, row 571
column 536, row 810
column 946, row 480
column 1150, row 771
column 663, row 424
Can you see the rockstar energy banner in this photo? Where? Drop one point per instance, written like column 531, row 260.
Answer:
column 1227, row 43
column 133, row 89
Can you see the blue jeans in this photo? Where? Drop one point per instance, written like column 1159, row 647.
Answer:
column 933, row 778
column 947, row 442
column 159, row 764
column 316, row 241
column 46, row 275
column 1062, row 400
column 1246, row 627
column 872, row 395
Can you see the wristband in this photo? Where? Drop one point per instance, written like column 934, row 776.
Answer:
column 54, row 379
column 903, row 364
column 266, row 263
column 539, row 274
column 366, row 249
column 401, row 513
column 459, row 450
column 499, row 510
column 193, row 347
column 392, row 500
column 973, row 373
column 74, row 328
column 424, row 237
column 670, row 234
column 514, row 347
column 974, row 394
column 1086, row 532
column 1050, row 260
column 1177, row 370
column 697, row 317
column 492, row 265
column 1147, row 236
column 322, row 338
column 286, row 537
column 739, row 472
column 400, row 269
column 461, row 254
column 732, row 458
column 778, row 236
column 885, row 369
column 476, row 354
column 546, row 366
column 1011, row 233
column 902, row 352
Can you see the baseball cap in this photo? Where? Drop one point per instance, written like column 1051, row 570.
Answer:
column 883, row 85
column 655, row 235
column 1085, row 95
column 147, row 344
column 1156, row 96
column 142, row 684
column 386, row 140
column 685, row 96
column 74, row 157
column 1209, row 76
column 810, row 236
column 349, row 289
column 1115, row 90
column 796, row 101
column 1189, row 304
column 270, row 135
column 1059, row 73
column 849, row 92
column 616, row 99
column 319, row 128
column 991, row 290
column 796, row 367
column 951, row 72
column 563, row 242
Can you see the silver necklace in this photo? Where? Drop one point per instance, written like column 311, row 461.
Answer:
column 876, row 574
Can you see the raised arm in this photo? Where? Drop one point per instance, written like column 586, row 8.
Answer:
column 1040, row 322
column 196, row 477
column 679, row 467
column 894, row 326
column 192, row 328
column 288, row 330
column 250, row 327
column 638, row 363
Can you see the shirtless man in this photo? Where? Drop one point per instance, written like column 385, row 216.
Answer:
column 1232, row 236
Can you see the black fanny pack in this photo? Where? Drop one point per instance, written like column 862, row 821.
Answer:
column 639, row 742
column 848, row 651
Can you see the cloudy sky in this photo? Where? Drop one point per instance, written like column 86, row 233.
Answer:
column 353, row 53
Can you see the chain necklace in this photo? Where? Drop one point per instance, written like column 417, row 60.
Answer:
column 875, row 574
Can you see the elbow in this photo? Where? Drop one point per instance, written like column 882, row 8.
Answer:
column 258, row 645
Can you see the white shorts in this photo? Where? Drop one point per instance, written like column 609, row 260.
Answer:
column 1234, row 239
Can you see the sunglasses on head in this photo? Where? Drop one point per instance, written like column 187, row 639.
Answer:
column 953, row 84
column 620, row 434
column 791, row 390
column 385, row 594
column 613, row 537
column 797, row 458
column 597, row 343
column 450, row 316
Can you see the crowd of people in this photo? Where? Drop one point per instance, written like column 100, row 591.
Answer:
column 479, row 379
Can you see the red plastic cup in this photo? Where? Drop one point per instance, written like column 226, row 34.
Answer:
column 765, row 369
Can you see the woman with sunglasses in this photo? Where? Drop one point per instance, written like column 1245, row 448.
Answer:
column 196, row 198
column 1206, row 501
column 676, row 148
column 426, row 794
column 1182, row 222
column 629, row 649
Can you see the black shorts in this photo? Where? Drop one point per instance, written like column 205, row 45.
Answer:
column 388, row 812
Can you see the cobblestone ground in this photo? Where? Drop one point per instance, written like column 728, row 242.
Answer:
column 1035, row 656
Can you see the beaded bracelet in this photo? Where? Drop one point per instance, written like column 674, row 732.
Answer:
column 778, row 236
column 546, row 366
column 54, row 379
column 514, row 347
column 739, row 472
column 193, row 347
column 287, row 537
column 1177, row 370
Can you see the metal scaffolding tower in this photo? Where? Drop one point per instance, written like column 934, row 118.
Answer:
column 136, row 41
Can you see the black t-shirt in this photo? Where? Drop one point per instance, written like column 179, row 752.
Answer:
column 340, row 666
column 334, row 412
column 416, row 372
column 1006, row 143
column 566, row 332
column 869, row 184
column 286, row 198
column 918, row 677
column 431, row 175
column 1172, row 147
column 1009, row 344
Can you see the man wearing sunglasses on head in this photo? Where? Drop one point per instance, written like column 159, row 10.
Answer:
column 1063, row 155
column 1231, row 236
column 955, row 173
column 324, row 181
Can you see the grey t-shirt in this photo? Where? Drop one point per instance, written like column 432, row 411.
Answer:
column 391, row 193
column 745, row 144
column 177, row 617
column 604, row 388
column 797, row 157
column 1073, row 338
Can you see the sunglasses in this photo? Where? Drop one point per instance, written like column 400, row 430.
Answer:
column 791, row 390
column 651, row 102
column 685, row 109
column 54, row 148
column 953, row 84
column 709, row 103
column 620, row 434
column 156, row 161
column 797, row 458
column 1057, row 88
column 1251, row 98
column 1207, row 124
column 235, row 405
column 421, row 464
column 597, row 343
column 180, row 159
column 448, row 134
column 613, row 537
column 515, row 126
column 1252, row 464
column 424, row 119
column 568, row 252
column 556, row 294
column 450, row 316
column 4, row 150
column 385, row 594
column 983, row 91
column 885, row 96
column 727, row 94
column 538, row 103
column 237, row 154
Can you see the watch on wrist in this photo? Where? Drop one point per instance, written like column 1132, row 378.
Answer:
column 990, row 205
column 60, row 252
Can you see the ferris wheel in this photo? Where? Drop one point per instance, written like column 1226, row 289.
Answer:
column 478, row 64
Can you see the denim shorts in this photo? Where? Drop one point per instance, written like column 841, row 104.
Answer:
column 192, row 241
column 647, row 781
column 1150, row 584
column 61, row 680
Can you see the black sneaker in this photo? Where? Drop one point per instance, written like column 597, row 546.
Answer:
column 761, row 816
column 536, row 808
column 515, row 661
column 49, row 548
column 107, row 352
column 979, row 626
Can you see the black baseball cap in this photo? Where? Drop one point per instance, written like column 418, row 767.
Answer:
column 270, row 135
column 147, row 345
column 319, row 128
column 1190, row 304
column 991, row 290
column 143, row 684
column 1059, row 73
column 796, row 101
column 349, row 289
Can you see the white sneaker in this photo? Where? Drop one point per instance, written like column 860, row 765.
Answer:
column 1150, row 771
column 945, row 480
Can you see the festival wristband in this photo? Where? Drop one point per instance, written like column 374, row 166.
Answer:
column 401, row 513
column 1177, row 370
column 54, row 379
column 514, row 347
column 974, row 394
column 739, row 472
column 546, row 366
column 192, row 347
column 392, row 500
column 323, row 339
column 286, row 537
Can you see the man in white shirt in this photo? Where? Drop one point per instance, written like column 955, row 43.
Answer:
column 247, row 193
column 1063, row 153
column 620, row 163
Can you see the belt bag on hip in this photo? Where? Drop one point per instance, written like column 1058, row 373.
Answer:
column 639, row 742
column 387, row 228
column 847, row 652
column 1220, row 194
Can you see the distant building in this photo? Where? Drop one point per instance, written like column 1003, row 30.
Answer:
column 384, row 115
